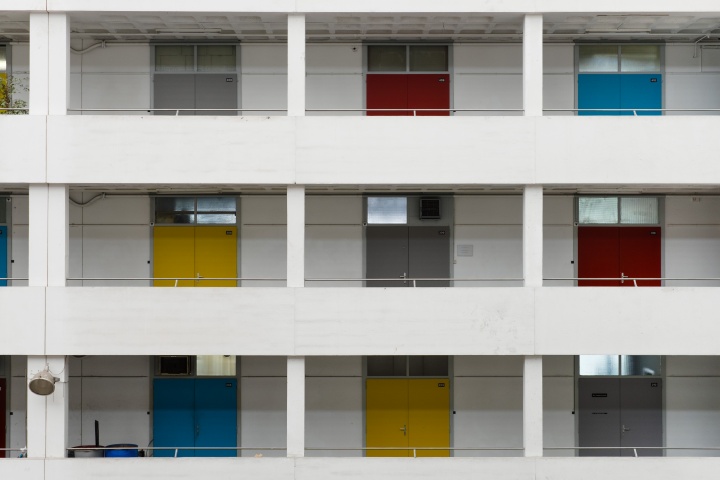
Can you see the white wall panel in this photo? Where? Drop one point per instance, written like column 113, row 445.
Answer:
column 497, row 254
column 20, row 58
column 165, row 321
column 496, row 91
column 20, row 255
column 116, row 58
column 691, row 252
column 25, row 468
column 263, row 59
column 692, row 91
column 335, row 91
column 559, row 92
column 334, row 251
column 558, row 210
column 558, row 255
column 333, row 366
column 488, row 366
column 20, row 209
column 487, row 58
column 264, row 92
column 266, row 366
column 339, row 59
column 559, row 58
column 682, row 59
column 488, row 210
column 558, row 365
column 116, row 91
column 334, row 416
column 333, row 210
column 489, row 414
column 558, row 418
column 116, row 251
column 263, row 415
column 692, row 366
column 263, row 254
column 23, row 161
column 115, row 366
column 23, row 312
column 263, row 210
column 76, row 93
column 116, row 210
column 692, row 415
column 684, row 210
column 75, row 255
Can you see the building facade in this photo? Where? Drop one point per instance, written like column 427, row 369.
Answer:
column 415, row 222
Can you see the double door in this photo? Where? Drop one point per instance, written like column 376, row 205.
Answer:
column 399, row 252
column 195, row 91
column 195, row 412
column 607, row 91
column 620, row 412
column 617, row 252
column 405, row 414
column 409, row 91
column 197, row 253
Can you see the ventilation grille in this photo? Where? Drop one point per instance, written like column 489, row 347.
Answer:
column 429, row 208
column 175, row 365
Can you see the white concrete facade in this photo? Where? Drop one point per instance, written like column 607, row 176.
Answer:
column 81, row 185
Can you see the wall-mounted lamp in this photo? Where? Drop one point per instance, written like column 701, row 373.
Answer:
column 43, row 383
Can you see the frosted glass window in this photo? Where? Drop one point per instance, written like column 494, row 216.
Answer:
column 639, row 211
column 599, row 365
column 640, row 58
column 216, row 365
column 216, row 218
column 381, row 210
column 216, row 204
column 216, row 58
column 598, row 58
column 387, row 58
column 641, row 364
column 174, row 58
column 387, row 366
column 597, row 210
column 175, row 204
column 429, row 366
column 428, row 58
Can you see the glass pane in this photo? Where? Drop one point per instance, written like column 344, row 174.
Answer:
column 216, row 365
column 598, row 58
column 597, row 210
column 599, row 365
column 216, row 204
column 387, row 58
column 635, row 210
column 174, row 58
column 641, row 364
column 216, row 218
column 216, row 58
column 3, row 60
column 175, row 204
column 387, row 210
column 174, row 218
column 428, row 58
column 386, row 366
column 429, row 366
column 640, row 58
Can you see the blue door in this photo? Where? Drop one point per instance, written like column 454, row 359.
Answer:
column 195, row 412
column 3, row 256
column 615, row 90
column 216, row 416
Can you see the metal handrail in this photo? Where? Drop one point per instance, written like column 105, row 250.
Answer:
column 13, row 278
column 365, row 110
column 674, row 279
column 130, row 279
column 631, row 110
column 177, row 110
column 628, row 448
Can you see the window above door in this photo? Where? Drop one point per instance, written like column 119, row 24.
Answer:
column 636, row 58
column 615, row 210
column 195, row 58
column 407, row 58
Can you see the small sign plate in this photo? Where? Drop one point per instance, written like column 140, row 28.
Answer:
column 599, row 395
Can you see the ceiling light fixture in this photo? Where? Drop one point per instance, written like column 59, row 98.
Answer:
column 43, row 383
column 188, row 30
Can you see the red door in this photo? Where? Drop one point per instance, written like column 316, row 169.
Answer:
column 408, row 91
column 612, row 252
column 3, row 414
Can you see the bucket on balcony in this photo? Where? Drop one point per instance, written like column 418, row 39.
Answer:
column 122, row 450
column 86, row 451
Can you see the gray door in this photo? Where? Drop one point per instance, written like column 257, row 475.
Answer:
column 407, row 252
column 190, row 90
column 623, row 412
column 174, row 92
column 216, row 90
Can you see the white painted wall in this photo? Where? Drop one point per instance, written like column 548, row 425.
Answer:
column 692, row 79
column 263, row 405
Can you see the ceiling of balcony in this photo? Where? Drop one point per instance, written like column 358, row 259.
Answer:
column 366, row 27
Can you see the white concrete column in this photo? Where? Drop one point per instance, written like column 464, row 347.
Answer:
column 47, row 416
column 49, row 229
column 533, row 235
column 49, row 63
column 296, row 65
column 533, row 406
column 296, row 406
column 533, row 65
column 296, row 236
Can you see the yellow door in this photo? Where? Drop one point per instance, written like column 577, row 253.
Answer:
column 173, row 255
column 409, row 413
column 216, row 256
column 429, row 417
column 386, row 417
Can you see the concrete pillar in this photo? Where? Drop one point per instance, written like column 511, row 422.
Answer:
column 296, row 236
column 533, row 406
column 296, row 65
column 47, row 416
column 533, row 235
column 533, row 65
column 49, row 63
column 296, row 406
column 48, row 242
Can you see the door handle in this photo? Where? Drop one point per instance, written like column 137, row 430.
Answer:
column 404, row 275
column 197, row 430
column 622, row 276
column 404, row 430
column 625, row 429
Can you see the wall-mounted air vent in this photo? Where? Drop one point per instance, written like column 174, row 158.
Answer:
column 429, row 208
column 175, row 365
